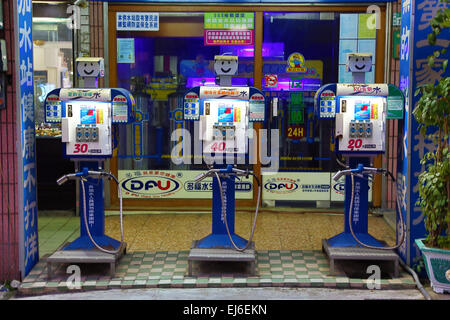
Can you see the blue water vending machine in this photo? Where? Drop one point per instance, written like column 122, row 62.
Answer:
column 88, row 118
column 224, row 116
column 360, row 112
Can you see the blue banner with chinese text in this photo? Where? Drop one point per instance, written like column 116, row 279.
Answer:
column 414, row 72
column 28, row 141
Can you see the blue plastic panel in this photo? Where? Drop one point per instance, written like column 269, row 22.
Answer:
column 52, row 107
column 325, row 102
column 123, row 104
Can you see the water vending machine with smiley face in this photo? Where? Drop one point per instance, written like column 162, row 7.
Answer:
column 88, row 118
column 224, row 116
column 360, row 112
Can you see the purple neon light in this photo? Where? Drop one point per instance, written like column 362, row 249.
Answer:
column 309, row 84
column 270, row 49
column 195, row 82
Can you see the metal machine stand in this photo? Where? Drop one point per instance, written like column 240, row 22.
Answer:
column 82, row 250
column 359, row 212
column 344, row 246
column 223, row 113
column 217, row 246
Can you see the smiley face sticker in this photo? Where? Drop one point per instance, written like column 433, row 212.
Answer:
column 90, row 67
column 225, row 65
column 359, row 62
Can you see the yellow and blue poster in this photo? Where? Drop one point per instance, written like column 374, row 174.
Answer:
column 296, row 63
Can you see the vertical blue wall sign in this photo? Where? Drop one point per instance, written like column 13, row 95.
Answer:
column 414, row 72
column 27, row 202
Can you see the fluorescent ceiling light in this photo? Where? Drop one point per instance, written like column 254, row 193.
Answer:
column 50, row 20
column 51, row 2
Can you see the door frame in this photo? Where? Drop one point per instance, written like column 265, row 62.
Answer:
column 258, row 9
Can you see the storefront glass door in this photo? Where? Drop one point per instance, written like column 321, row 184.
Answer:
column 158, row 67
column 301, row 52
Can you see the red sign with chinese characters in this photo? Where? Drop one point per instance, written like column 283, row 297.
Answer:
column 217, row 37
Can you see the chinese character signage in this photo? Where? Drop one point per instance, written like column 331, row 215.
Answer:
column 28, row 250
column 85, row 94
column 396, row 44
column 396, row 19
column 415, row 71
column 172, row 184
column 229, row 28
column 295, row 82
column 137, row 21
column 224, row 92
column 296, row 110
column 310, row 186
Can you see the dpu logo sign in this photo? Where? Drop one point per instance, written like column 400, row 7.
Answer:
column 151, row 185
column 281, row 185
column 339, row 188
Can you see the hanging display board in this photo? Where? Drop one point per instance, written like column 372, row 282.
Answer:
column 137, row 21
column 229, row 28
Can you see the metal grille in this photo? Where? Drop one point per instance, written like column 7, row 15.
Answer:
column 96, row 32
column 393, row 129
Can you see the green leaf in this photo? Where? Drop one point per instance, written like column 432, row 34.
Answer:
column 431, row 38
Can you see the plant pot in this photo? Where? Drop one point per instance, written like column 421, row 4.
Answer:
column 437, row 264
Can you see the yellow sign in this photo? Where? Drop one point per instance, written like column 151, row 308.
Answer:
column 296, row 63
column 160, row 94
column 99, row 116
column 374, row 111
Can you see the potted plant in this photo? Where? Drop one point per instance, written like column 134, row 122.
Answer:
column 432, row 112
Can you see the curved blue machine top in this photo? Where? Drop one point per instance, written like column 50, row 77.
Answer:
column 123, row 102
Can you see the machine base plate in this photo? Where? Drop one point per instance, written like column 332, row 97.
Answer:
column 84, row 256
column 222, row 254
column 359, row 253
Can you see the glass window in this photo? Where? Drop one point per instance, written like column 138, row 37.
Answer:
column 300, row 53
column 52, row 58
column 158, row 67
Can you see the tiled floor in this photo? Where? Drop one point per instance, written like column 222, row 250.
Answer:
column 170, row 232
column 274, row 231
column 288, row 247
column 54, row 231
column 168, row 269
